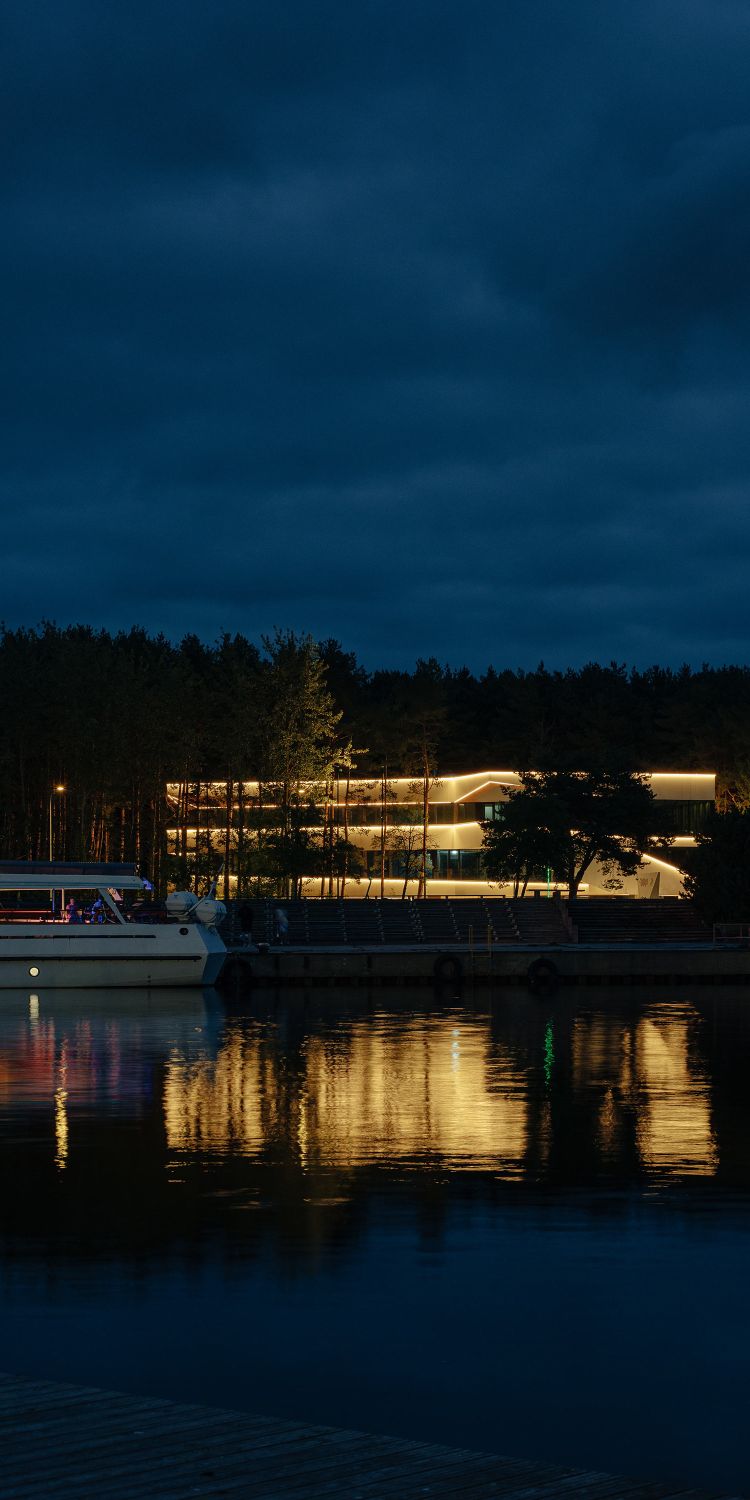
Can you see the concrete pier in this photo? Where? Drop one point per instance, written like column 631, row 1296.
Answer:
column 568, row 964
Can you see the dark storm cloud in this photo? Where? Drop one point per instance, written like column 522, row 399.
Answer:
column 420, row 326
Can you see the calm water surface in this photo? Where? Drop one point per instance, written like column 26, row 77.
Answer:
column 521, row 1225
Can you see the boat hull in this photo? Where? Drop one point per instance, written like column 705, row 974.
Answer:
column 132, row 956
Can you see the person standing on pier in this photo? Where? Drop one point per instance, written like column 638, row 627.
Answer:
column 245, row 918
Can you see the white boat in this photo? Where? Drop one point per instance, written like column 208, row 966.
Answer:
column 41, row 949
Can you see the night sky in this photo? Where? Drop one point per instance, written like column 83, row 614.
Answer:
column 415, row 324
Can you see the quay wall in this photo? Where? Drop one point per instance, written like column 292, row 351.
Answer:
column 624, row 964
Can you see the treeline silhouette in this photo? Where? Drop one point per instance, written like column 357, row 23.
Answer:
column 113, row 718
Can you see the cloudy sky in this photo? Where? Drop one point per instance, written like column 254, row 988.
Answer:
column 422, row 325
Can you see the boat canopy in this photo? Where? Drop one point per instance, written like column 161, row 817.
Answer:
column 57, row 875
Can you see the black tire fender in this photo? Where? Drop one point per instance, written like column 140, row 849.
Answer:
column 448, row 966
column 542, row 976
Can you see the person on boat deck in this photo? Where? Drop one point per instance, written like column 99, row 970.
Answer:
column 97, row 910
column 282, row 925
column 72, row 913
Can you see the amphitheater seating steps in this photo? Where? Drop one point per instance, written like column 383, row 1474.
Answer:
column 499, row 912
column 397, row 920
column 262, row 921
column 621, row 919
column 369, row 922
column 437, row 921
column 262, row 930
column 540, row 921
column 296, row 915
column 472, row 920
column 325, row 921
column 362, row 923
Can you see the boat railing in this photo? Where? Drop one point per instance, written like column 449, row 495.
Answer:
column 27, row 914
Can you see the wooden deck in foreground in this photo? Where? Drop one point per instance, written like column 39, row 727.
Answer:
column 64, row 1442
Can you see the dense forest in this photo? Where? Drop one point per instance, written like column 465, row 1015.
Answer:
column 112, row 719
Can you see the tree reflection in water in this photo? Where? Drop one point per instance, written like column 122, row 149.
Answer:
column 306, row 1102
column 397, row 1211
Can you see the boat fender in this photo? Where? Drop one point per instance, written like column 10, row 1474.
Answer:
column 542, row 976
column 180, row 904
column 447, row 966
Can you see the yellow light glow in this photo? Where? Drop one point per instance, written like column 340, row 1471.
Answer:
column 650, row 859
column 681, row 775
column 675, row 1124
column 61, row 1128
column 647, row 1073
column 61, row 1111
column 387, row 1096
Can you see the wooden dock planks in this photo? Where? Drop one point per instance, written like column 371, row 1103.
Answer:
column 72, row 1443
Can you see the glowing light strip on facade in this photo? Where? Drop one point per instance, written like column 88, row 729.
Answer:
column 454, row 847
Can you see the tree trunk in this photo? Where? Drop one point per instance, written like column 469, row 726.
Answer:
column 345, row 870
column 135, row 838
column 228, row 833
column 331, row 835
column 157, row 825
column 324, row 837
column 383, row 826
column 196, row 866
column 422, row 888
column 241, row 837
column 183, row 820
column 210, row 844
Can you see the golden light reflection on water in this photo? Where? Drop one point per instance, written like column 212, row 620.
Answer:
column 431, row 1090
column 644, row 1070
column 61, row 1113
column 555, row 1093
column 455, row 1093
column 379, row 1093
column 61, row 1128
column 675, row 1121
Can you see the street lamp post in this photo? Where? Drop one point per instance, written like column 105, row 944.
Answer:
column 56, row 789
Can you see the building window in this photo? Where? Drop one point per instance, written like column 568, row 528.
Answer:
column 479, row 812
column 683, row 816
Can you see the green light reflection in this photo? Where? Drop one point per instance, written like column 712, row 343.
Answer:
column 549, row 1053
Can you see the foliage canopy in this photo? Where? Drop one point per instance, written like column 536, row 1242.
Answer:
column 719, row 876
column 116, row 717
column 564, row 820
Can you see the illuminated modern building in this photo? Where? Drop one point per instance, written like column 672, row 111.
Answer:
column 384, row 824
